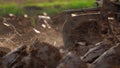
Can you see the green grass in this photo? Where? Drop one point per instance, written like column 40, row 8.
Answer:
column 10, row 8
column 33, row 21
column 48, row 7
column 56, row 7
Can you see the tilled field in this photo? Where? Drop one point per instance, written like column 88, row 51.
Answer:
column 36, row 42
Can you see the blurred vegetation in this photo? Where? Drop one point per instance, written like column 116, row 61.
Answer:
column 33, row 7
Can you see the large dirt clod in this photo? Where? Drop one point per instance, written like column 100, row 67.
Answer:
column 40, row 55
column 96, row 51
column 13, row 57
column 71, row 60
column 109, row 59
